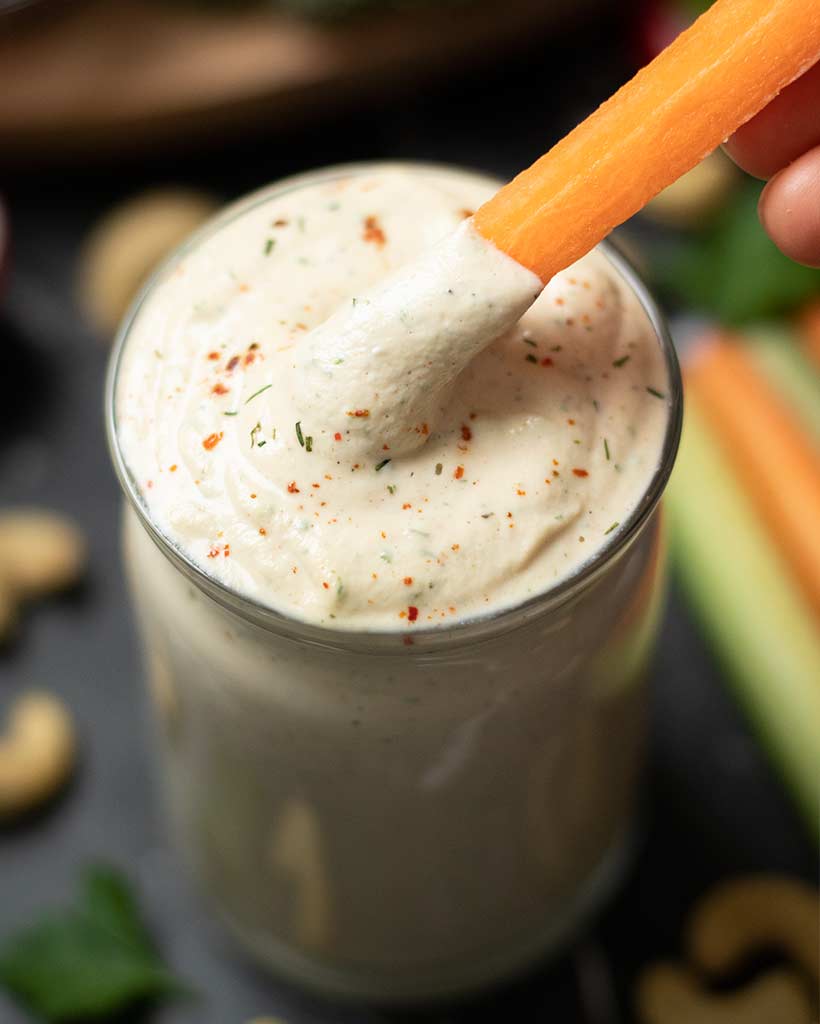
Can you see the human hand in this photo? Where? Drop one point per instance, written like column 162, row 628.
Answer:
column 783, row 144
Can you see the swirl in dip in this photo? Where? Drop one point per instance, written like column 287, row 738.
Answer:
column 438, row 450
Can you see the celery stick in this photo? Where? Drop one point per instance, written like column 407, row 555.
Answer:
column 755, row 617
column 775, row 350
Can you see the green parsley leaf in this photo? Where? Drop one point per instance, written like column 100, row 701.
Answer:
column 88, row 961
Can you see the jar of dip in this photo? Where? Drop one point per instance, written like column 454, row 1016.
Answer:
column 383, row 813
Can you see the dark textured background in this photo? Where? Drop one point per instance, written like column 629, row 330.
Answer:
column 712, row 808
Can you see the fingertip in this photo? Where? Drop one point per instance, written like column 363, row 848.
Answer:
column 790, row 209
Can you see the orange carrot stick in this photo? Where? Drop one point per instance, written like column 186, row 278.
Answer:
column 776, row 461
column 810, row 331
column 709, row 81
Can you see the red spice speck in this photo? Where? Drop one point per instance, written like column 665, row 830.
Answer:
column 458, row 472
column 408, row 581
column 520, row 492
column 212, row 440
column 219, row 388
column 263, row 531
column 173, row 469
column 249, row 358
column 373, row 231
column 547, row 361
column 466, row 433
column 213, row 552
column 292, row 488
column 359, row 413
column 580, row 472
column 213, row 356
column 326, row 586
column 315, row 485
column 455, row 547
column 337, row 436
column 407, row 505
column 412, row 613
column 280, row 223
column 227, row 551
column 571, row 422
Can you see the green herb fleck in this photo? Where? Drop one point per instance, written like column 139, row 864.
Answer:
column 234, row 413
column 382, row 464
column 656, row 393
column 606, row 449
column 309, row 443
column 91, row 960
column 487, row 515
column 439, row 468
column 391, row 488
column 254, row 431
column 256, row 394
column 530, row 358
column 529, row 341
column 385, row 556
column 338, row 361
column 299, row 437
column 622, row 361
column 556, row 348
column 271, row 242
column 613, row 527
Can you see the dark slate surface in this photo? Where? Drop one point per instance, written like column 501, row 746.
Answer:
column 712, row 806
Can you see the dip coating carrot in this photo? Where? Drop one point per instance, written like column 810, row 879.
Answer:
column 709, row 81
column 775, row 459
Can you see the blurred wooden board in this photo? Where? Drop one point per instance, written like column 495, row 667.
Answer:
column 101, row 76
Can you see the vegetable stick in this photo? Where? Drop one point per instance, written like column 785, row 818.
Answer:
column 750, row 608
column 777, row 353
column 713, row 78
column 776, row 461
column 810, row 331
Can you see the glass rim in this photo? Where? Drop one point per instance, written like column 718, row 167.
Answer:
column 478, row 628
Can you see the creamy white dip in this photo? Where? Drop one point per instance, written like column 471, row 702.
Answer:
column 379, row 458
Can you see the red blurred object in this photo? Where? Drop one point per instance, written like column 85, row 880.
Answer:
column 657, row 25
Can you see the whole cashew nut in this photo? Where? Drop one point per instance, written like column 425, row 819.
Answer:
column 37, row 753
column 746, row 915
column 668, row 994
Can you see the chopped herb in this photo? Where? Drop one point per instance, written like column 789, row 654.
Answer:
column 261, row 444
column 234, row 413
column 556, row 348
column 595, row 405
column 530, row 358
column 340, row 590
column 613, row 527
column 391, row 488
column 254, row 432
column 337, row 362
column 273, row 434
column 92, row 960
column 354, row 300
column 271, row 242
column 657, row 394
column 439, row 468
column 382, row 464
column 299, row 437
column 529, row 341
column 385, row 556
column 606, row 449
column 487, row 515
column 309, row 443
column 622, row 361
column 256, row 394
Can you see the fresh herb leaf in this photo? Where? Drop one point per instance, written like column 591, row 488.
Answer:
column 656, row 393
column 606, row 449
column 299, row 436
column 256, row 394
column 382, row 464
column 732, row 270
column 271, row 242
column 613, row 527
column 618, row 363
column 530, row 358
column 391, row 488
column 88, row 961
column 439, row 468
column 529, row 341
column 234, row 413
column 309, row 443
column 254, row 431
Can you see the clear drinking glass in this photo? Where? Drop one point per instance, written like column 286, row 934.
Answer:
column 401, row 822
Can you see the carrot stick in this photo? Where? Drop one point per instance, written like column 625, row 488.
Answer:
column 748, row 604
column 709, row 81
column 777, row 354
column 810, row 331
column 776, row 460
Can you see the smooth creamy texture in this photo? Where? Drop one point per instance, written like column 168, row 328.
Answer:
column 522, row 465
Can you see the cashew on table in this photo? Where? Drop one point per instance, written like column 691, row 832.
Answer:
column 37, row 753
column 735, row 921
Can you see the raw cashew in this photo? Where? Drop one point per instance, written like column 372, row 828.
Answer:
column 37, row 753
column 127, row 244
column 744, row 916
column 40, row 552
column 671, row 995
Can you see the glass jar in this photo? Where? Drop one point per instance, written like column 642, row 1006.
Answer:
column 399, row 822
